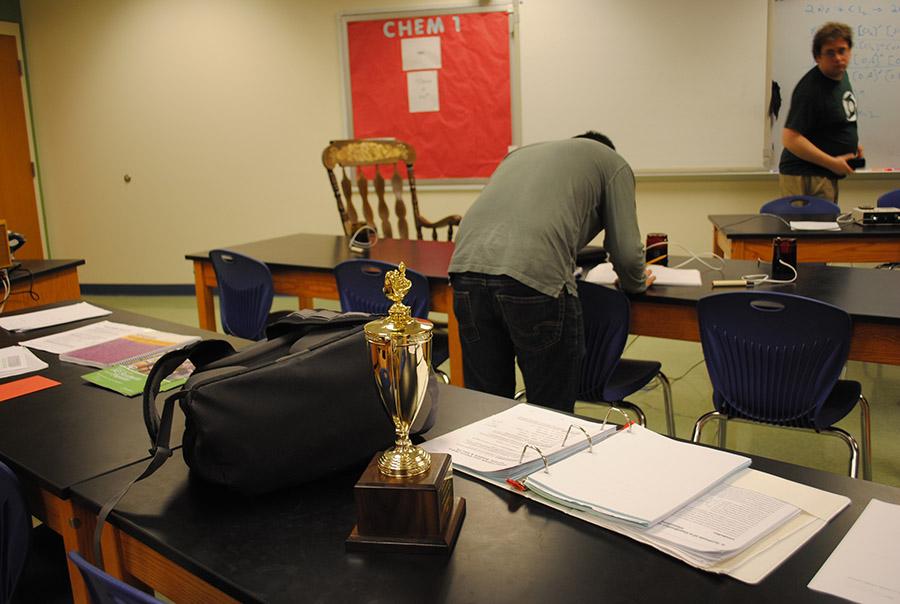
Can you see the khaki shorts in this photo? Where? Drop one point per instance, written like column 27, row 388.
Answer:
column 816, row 186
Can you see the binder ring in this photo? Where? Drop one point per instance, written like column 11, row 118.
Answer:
column 543, row 457
column 586, row 435
column 628, row 422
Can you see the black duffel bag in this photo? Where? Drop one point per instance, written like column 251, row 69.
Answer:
column 297, row 406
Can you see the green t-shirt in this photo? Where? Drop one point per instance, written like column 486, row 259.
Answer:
column 544, row 203
column 824, row 111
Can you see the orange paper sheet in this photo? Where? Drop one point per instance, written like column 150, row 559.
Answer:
column 25, row 386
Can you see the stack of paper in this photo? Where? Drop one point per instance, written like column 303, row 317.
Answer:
column 701, row 505
column 16, row 360
column 663, row 475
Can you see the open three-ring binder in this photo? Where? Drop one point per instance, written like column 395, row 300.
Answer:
column 701, row 505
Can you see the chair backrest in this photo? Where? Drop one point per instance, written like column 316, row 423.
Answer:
column 891, row 199
column 800, row 204
column 361, row 283
column 606, row 314
column 15, row 532
column 376, row 160
column 245, row 293
column 106, row 589
column 772, row 357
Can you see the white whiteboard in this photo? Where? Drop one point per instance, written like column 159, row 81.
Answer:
column 678, row 86
column 874, row 70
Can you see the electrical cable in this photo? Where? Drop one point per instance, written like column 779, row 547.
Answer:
column 358, row 243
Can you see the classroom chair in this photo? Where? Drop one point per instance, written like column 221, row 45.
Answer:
column 800, row 204
column 606, row 377
column 373, row 160
column 776, row 358
column 15, row 524
column 245, row 294
column 106, row 589
column 360, row 284
column 891, row 199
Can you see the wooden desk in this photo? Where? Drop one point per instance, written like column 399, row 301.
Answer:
column 749, row 236
column 58, row 437
column 868, row 295
column 302, row 265
column 194, row 542
column 51, row 280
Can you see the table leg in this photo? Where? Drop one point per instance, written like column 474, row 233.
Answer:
column 206, row 308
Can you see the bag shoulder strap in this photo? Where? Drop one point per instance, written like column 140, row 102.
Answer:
column 199, row 353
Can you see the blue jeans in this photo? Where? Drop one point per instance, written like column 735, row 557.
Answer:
column 501, row 320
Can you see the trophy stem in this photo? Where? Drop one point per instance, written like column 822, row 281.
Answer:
column 404, row 458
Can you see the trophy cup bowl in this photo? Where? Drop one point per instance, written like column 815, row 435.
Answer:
column 401, row 362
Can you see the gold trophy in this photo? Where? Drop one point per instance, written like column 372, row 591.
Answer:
column 404, row 499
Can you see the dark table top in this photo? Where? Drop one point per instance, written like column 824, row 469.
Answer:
column 866, row 294
column 323, row 252
column 289, row 546
column 747, row 226
column 63, row 435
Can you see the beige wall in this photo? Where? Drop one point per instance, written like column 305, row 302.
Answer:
column 218, row 111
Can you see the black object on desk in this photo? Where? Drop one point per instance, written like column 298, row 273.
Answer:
column 289, row 546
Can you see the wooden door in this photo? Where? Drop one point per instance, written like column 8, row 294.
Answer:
column 17, row 200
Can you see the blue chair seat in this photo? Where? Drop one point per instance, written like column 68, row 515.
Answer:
column 891, row 199
column 629, row 376
column 106, row 589
column 245, row 293
column 800, row 204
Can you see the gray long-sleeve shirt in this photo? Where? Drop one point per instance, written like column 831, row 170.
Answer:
column 544, row 203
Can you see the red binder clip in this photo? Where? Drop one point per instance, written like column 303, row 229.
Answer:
column 625, row 425
column 519, row 486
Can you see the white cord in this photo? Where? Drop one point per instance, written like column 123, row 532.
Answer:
column 693, row 256
column 359, row 243
column 7, row 288
column 764, row 278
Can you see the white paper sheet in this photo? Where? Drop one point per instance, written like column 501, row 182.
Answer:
column 421, row 53
column 603, row 274
column 422, row 89
column 812, row 225
column 16, row 360
column 81, row 337
column 52, row 316
column 863, row 567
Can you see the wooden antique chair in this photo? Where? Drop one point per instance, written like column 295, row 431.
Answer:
column 385, row 157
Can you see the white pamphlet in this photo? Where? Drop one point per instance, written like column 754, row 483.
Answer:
column 52, row 316
column 603, row 274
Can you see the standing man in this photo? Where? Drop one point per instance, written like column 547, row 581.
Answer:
column 819, row 135
column 512, row 273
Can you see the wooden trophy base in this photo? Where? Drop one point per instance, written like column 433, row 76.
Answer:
column 415, row 514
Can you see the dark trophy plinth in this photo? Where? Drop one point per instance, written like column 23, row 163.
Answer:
column 413, row 515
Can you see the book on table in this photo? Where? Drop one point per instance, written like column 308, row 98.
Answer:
column 139, row 344
column 131, row 378
column 701, row 505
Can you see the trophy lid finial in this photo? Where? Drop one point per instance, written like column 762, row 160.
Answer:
column 396, row 286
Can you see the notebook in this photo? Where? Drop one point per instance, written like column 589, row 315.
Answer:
column 127, row 349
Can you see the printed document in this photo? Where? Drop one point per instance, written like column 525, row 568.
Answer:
column 16, row 360
column 95, row 333
column 863, row 567
column 603, row 274
column 52, row 316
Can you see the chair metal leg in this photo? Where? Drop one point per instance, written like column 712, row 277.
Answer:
column 851, row 443
column 443, row 376
column 865, row 437
column 641, row 418
column 519, row 395
column 723, row 427
column 698, row 425
column 667, row 400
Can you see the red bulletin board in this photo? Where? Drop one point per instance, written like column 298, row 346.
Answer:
column 469, row 130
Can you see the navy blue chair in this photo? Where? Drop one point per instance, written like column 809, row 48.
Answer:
column 776, row 358
column 800, row 204
column 891, row 199
column 15, row 527
column 605, row 376
column 245, row 293
column 360, row 284
column 106, row 589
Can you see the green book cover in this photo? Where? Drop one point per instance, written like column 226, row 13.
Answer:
column 130, row 379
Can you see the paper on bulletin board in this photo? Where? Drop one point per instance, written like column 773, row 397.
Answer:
column 422, row 87
column 421, row 53
column 460, row 123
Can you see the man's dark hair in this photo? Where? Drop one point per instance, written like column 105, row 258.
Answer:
column 596, row 136
column 831, row 32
